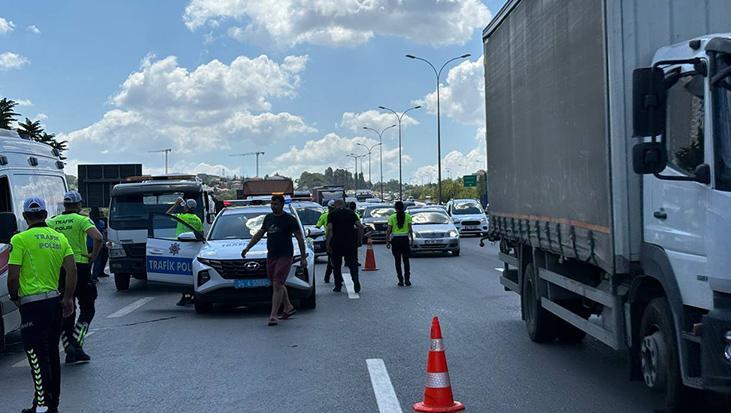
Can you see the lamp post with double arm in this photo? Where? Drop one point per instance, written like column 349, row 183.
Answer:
column 380, row 143
column 399, row 117
column 369, row 149
column 438, row 74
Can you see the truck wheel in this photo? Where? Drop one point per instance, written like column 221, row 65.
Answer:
column 659, row 355
column 540, row 323
column 121, row 281
column 310, row 302
column 202, row 307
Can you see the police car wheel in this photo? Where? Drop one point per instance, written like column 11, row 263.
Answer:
column 121, row 281
column 202, row 307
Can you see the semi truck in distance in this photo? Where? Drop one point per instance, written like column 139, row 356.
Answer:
column 609, row 153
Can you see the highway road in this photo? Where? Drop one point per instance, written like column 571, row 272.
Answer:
column 354, row 353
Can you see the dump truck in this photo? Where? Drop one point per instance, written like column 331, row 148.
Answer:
column 609, row 163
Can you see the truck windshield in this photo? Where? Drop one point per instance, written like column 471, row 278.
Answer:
column 131, row 212
column 722, row 125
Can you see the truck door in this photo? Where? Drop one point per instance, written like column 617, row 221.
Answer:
column 675, row 214
column 171, row 247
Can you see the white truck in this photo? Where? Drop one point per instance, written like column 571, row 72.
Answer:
column 27, row 169
column 609, row 153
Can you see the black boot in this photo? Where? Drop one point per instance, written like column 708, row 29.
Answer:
column 400, row 281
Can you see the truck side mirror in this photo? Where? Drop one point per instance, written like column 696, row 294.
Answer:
column 702, row 173
column 649, row 158
column 8, row 226
column 649, row 102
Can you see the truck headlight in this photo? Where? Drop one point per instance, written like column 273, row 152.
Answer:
column 453, row 234
column 727, row 349
column 116, row 250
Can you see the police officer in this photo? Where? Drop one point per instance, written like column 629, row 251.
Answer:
column 322, row 222
column 37, row 256
column 189, row 217
column 76, row 228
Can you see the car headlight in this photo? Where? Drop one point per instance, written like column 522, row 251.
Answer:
column 116, row 250
column 453, row 234
column 300, row 271
column 203, row 277
column 417, row 234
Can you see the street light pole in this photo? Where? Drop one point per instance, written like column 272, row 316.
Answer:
column 380, row 143
column 399, row 117
column 167, row 151
column 257, row 154
column 438, row 74
column 355, row 158
column 369, row 149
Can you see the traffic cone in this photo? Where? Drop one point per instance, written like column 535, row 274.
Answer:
column 370, row 264
column 438, row 390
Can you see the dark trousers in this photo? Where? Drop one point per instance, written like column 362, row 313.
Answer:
column 351, row 261
column 74, row 331
column 401, row 249
column 328, row 269
column 40, row 331
column 100, row 263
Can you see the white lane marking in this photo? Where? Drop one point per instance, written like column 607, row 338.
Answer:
column 24, row 361
column 499, row 269
column 350, row 287
column 130, row 307
column 382, row 387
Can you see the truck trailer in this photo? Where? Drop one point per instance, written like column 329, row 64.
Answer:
column 609, row 163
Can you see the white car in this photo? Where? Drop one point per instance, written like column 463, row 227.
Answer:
column 468, row 216
column 213, row 266
column 434, row 231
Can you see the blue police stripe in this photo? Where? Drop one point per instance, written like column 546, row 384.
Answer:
column 170, row 265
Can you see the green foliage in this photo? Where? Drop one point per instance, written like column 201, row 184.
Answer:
column 340, row 177
column 7, row 116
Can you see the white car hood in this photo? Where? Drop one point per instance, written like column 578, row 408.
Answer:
column 469, row 217
column 230, row 249
column 421, row 228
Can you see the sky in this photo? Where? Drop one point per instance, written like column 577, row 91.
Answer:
column 295, row 79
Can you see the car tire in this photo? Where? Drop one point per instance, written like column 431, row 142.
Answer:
column 455, row 253
column 202, row 307
column 121, row 281
column 310, row 302
column 540, row 323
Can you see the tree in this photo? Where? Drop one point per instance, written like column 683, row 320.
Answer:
column 31, row 129
column 7, row 116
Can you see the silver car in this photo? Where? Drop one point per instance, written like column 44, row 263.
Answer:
column 434, row 231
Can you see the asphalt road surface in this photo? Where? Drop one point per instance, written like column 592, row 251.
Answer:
column 363, row 353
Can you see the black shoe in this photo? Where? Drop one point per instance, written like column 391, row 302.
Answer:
column 408, row 283
column 33, row 410
column 76, row 356
column 337, row 289
column 400, row 284
column 356, row 284
column 184, row 300
column 81, row 356
column 327, row 280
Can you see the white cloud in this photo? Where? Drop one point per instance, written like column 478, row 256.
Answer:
column 330, row 151
column 198, row 112
column 454, row 164
column 40, row 117
column 10, row 60
column 6, row 26
column 341, row 22
column 374, row 119
column 462, row 95
column 33, row 29
column 24, row 102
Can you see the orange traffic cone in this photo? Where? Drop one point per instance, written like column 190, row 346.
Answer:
column 370, row 264
column 438, row 390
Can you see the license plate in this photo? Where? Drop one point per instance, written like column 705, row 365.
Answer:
column 252, row 283
column 470, row 227
column 432, row 241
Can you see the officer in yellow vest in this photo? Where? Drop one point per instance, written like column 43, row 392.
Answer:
column 37, row 256
column 189, row 217
column 76, row 228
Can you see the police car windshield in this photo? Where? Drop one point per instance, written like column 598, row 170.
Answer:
column 309, row 215
column 237, row 226
column 379, row 212
column 467, row 208
column 429, row 217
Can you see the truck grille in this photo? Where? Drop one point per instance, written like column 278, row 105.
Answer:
column 239, row 269
column 135, row 250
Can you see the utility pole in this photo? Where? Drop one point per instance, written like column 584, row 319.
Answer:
column 167, row 151
column 257, row 154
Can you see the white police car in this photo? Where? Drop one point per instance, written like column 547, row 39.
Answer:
column 213, row 266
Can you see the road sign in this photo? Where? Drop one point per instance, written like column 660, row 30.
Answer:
column 469, row 181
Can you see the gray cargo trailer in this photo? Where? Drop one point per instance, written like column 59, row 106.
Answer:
column 580, row 232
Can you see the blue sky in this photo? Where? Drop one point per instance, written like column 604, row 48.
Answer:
column 294, row 78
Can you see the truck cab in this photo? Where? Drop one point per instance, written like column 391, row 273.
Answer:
column 27, row 169
column 129, row 213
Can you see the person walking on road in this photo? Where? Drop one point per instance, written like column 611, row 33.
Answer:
column 279, row 228
column 399, row 236
column 322, row 222
column 34, row 265
column 76, row 227
column 189, row 217
column 342, row 229
column 358, row 239
column 97, row 268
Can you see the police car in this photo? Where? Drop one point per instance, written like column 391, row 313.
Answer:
column 213, row 266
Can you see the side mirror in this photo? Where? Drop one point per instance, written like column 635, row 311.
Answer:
column 649, row 102
column 702, row 173
column 308, row 233
column 649, row 158
column 188, row 237
column 8, row 226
